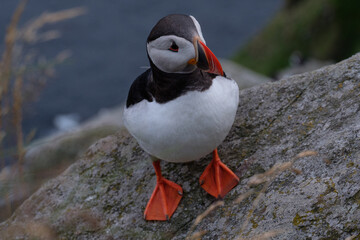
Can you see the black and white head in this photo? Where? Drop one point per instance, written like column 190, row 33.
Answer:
column 176, row 45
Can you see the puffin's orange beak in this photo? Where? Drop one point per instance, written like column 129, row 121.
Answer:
column 205, row 59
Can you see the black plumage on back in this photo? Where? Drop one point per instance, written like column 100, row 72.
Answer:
column 164, row 87
column 139, row 89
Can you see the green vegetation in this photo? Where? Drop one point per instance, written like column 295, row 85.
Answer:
column 321, row 29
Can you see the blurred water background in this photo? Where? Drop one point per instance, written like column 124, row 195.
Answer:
column 108, row 48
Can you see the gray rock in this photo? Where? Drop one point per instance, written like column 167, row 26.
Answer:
column 244, row 77
column 49, row 156
column 316, row 196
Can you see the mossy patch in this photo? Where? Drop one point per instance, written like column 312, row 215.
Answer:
column 297, row 220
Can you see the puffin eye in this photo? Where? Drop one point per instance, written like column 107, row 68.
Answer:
column 174, row 47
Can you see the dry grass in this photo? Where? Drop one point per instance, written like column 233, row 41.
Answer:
column 22, row 76
column 199, row 218
column 266, row 179
column 31, row 31
column 5, row 69
column 17, row 119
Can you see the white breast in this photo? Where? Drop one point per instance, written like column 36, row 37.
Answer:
column 188, row 127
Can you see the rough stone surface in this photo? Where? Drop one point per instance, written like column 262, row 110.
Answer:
column 47, row 157
column 103, row 195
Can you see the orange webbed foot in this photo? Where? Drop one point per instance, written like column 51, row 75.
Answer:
column 164, row 199
column 217, row 179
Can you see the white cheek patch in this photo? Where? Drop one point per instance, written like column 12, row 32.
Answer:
column 198, row 29
column 168, row 61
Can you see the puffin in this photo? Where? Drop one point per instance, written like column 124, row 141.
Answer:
column 181, row 109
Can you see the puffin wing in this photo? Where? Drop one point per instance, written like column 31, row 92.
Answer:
column 139, row 89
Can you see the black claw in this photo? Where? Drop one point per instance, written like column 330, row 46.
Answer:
column 167, row 217
column 202, row 182
column 180, row 193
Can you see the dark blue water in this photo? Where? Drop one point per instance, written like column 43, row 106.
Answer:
column 108, row 46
